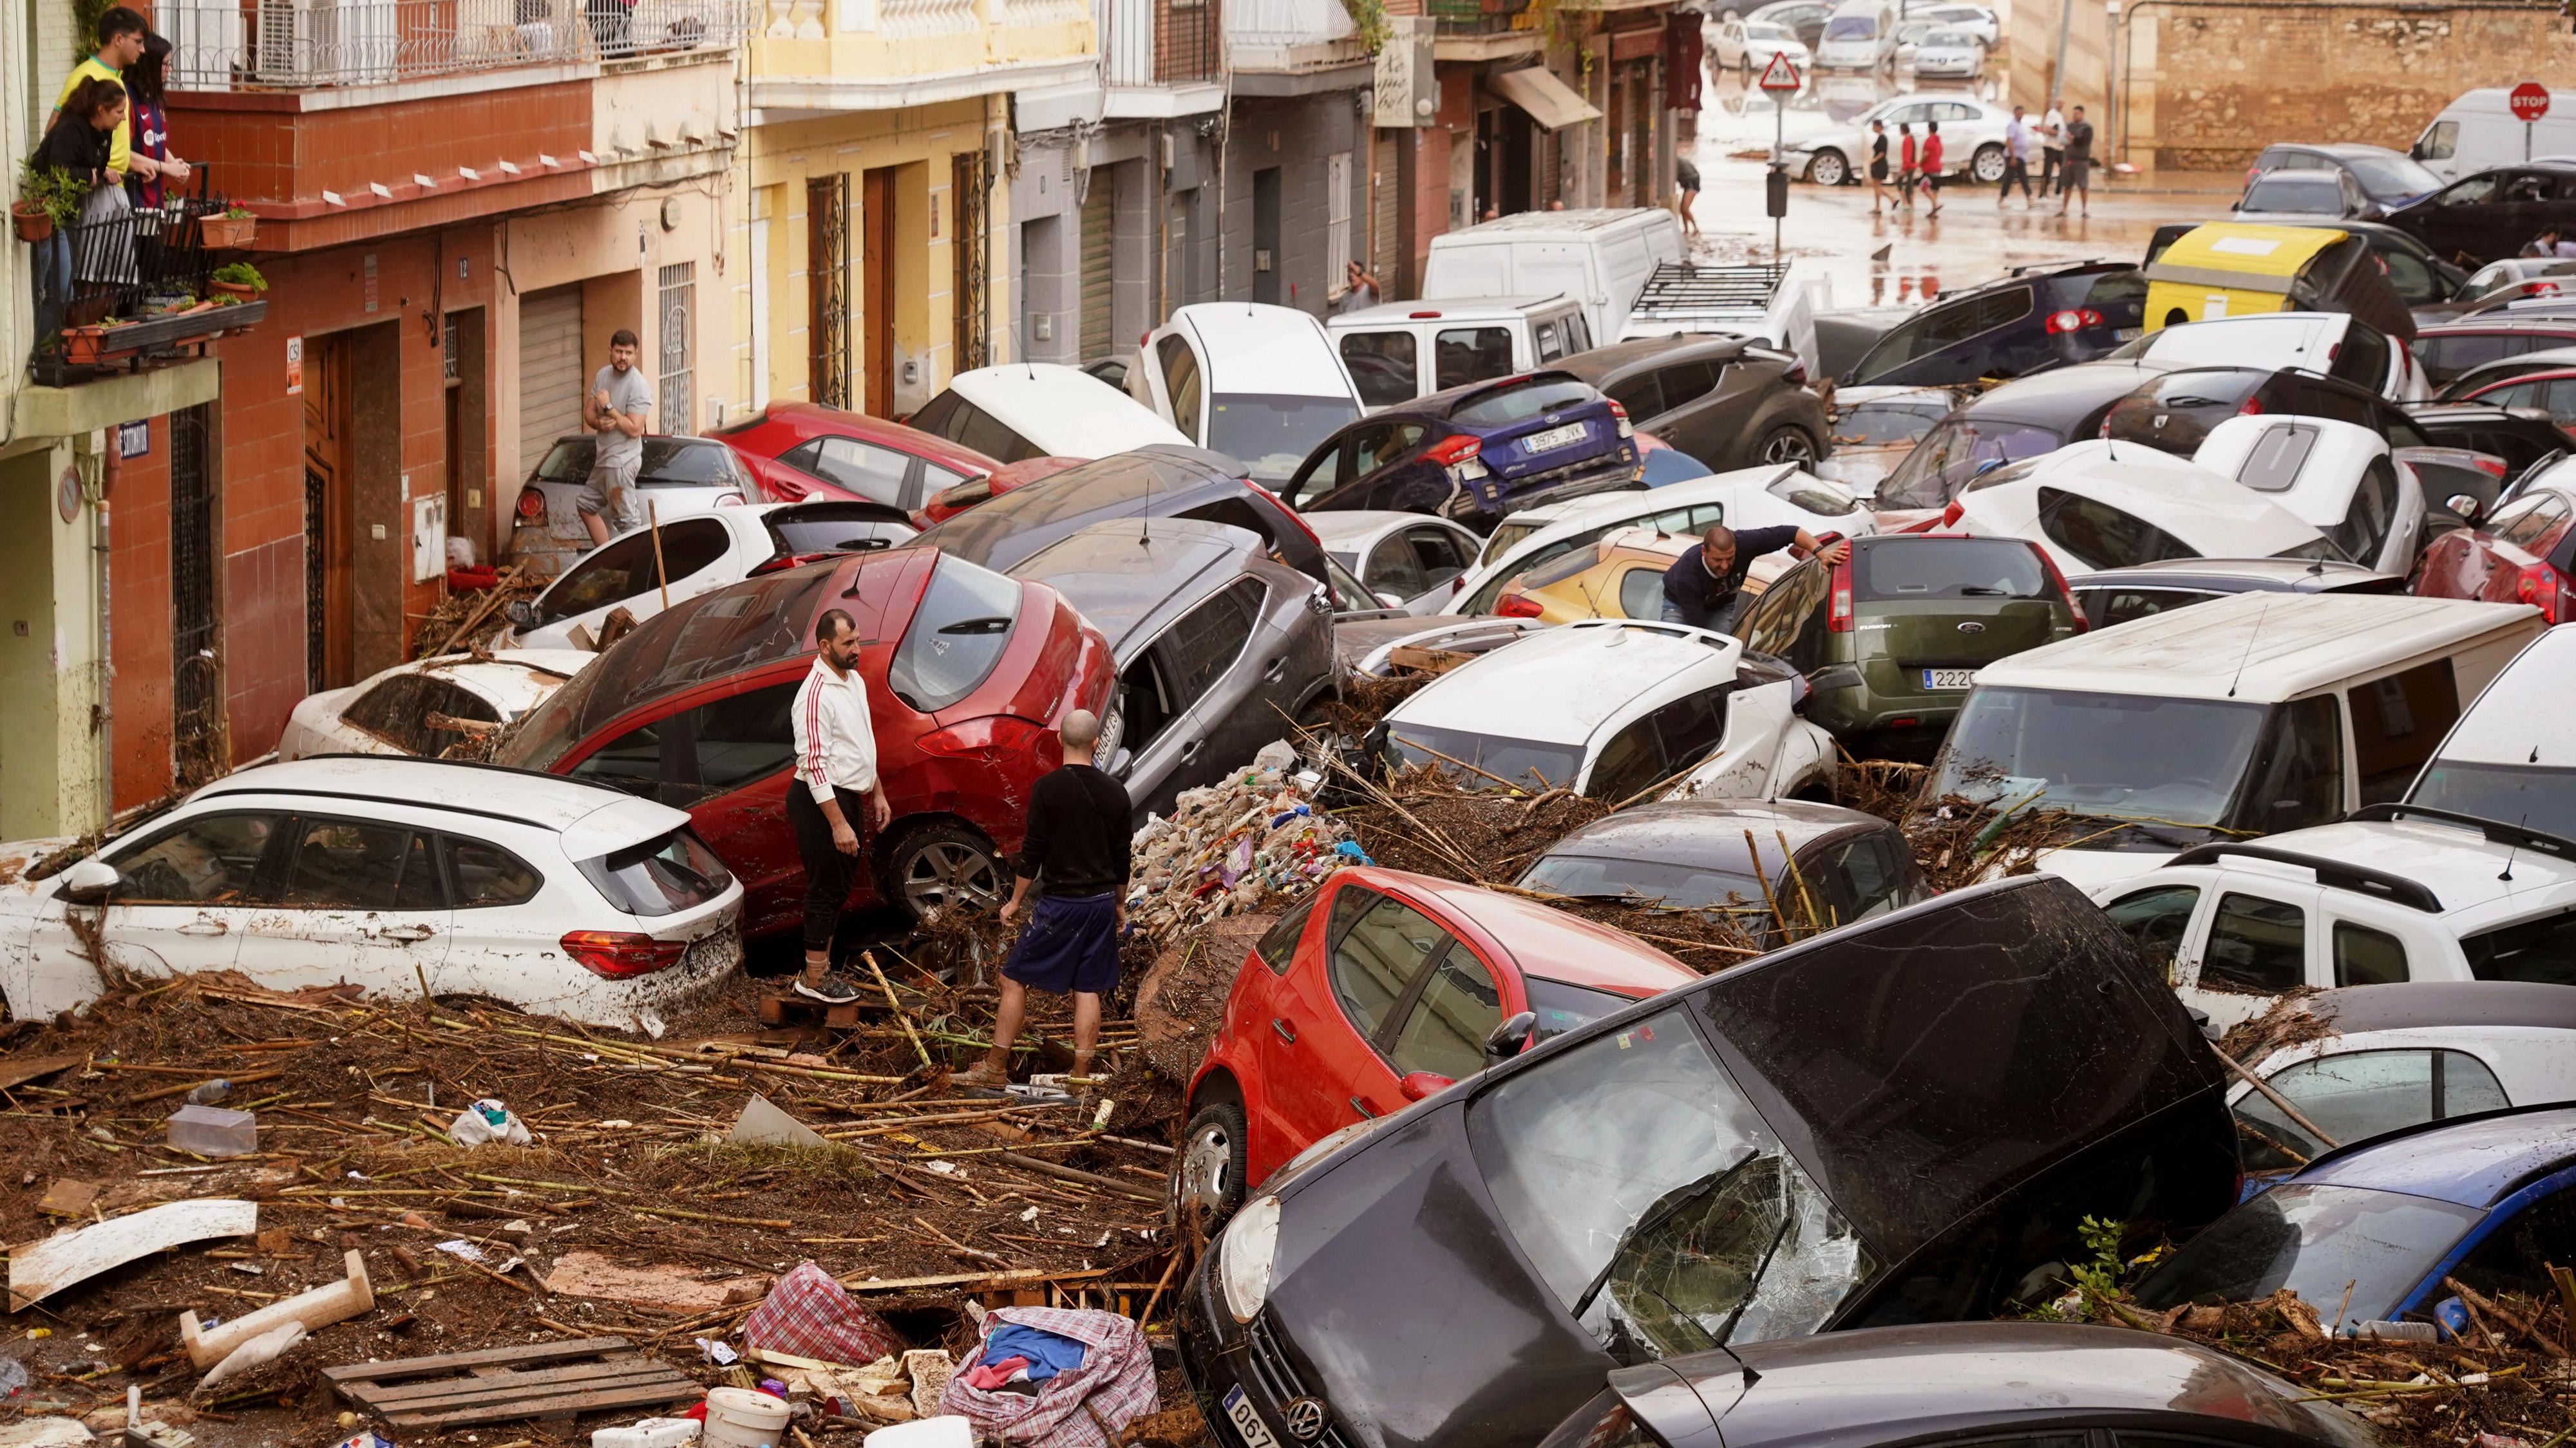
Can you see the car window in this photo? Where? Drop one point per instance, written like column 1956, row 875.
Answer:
column 2104, row 607
column 1522, row 400
column 355, row 865
column 1901, row 568
column 1943, row 325
column 1393, row 568
column 626, row 568
column 2101, row 536
column 1443, row 554
column 2157, row 919
column 973, row 427
column 1863, row 877
column 1884, row 424
column 1686, row 383
column 210, row 860
column 1374, row 447
column 2474, row 191
column 2415, row 283
column 1203, row 643
column 1642, row 395
column 2357, row 1095
column 1952, row 453
column 1382, row 365
column 1376, row 956
column 2362, row 360
column 2531, row 521
column 1549, row 344
column 1629, row 762
column 2372, row 513
column 936, row 479
column 404, row 710
column 2542, row 950
column 828, row 528
column 1278, row 945
column 2256, row 944
column 956, row 635
column 486, row 875
column 864, row 468
column 2297, row 773
column 661, row 876
column 1641, row 592
column 1444, row 1032
column 1321, row 473
column 1181, row 383
column 1461, row 355
column 2363, row 956
column 2516, row 1257
column 2396, row 723
column 1774, row 620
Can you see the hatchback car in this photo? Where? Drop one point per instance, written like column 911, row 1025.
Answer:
column 427, row 705
column 1475, row 453
column 1405, row 560
column 1891, row 638
column 2117, row 595
column 1622, row 576
column 2491, row 215
column 2343, row 480
column 2523, row 554
column 2094, row 506
column 801, row 450
column 2552, row 392
column 2034, row 319
column 2302, row 193
column 1783, row 863
column 1041, row 409
column 1150, row 482
column 968, row 676
column 2385, row 178
column 2512, row 756
column 940, row 507
column 1258, row 383
column 557, row 897
column 1378, row 989
column 1722, row 400
column 678, row 475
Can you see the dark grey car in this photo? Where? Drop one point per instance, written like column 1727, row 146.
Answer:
column 1219, row 647
column 1722, row 400
column 1165, row 480
column 1837, row 864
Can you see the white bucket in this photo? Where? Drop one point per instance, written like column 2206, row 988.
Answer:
column 948, row 1430
column 742, row 1418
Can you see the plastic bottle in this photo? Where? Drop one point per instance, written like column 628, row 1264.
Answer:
column 210, row 1093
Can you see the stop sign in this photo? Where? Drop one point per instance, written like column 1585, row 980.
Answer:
column 2530, row 101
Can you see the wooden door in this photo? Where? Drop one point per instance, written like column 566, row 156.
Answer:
column 329, row 656
column 876, row 289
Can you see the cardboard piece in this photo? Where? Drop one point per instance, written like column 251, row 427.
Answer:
column 762, row 1124
column 668, row 1287
column 68, row 1197
column 78, row 1254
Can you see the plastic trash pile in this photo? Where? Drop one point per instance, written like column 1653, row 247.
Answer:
column 1251, row 839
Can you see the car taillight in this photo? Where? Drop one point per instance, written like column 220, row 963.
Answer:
column 1950, row 515
column 1302, row 526
column 2491, row 466
column 2253, row 406
column 2057, row 580
column 1518, row 605
column 2540, row 289
column 1620, row 415
column 1449, row 452
column 2539, row 586
column 2073, row 319
column 1796, row 376
column 622, row 954
column 532, row 504
column 995, row 737
column 1840, row 620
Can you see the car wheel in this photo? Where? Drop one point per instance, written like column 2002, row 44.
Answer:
column 1827, row 168
column 1988, row 167
column 933, row 866
column 1207, row 1176
column 1788, row 445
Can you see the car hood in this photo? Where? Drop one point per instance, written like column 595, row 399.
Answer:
column 2095, row 870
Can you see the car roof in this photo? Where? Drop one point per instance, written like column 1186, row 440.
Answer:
column 1443, row 404
column 2175, row 494
column 1120, row 485
column 2301, row 178
column 1249, row 347
column 1603, row 362
column 1591, row 671
column 2253, row 646
column 1446, row 309
column 2052, row 395
column 1573, row 221
column 511, row 678
column 585, row 813
column 1121, row 576
column 1547, row 942
column 2461, row 867
column 2434, row 1004
column 1347, row 530
column 1710, row 834
column 2235, row 575
column 2475, row 1163
column 1074, row 409
column 2521, row 717
column 813, row 419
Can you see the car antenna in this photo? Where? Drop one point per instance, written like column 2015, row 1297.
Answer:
column 2250, row 635
column 2523, row 823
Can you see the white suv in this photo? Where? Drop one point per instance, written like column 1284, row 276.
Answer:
column 397, row 875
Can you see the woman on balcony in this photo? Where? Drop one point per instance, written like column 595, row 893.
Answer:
column 79, row 145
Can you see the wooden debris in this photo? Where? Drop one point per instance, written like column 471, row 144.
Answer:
column 68, row 1198
column 665, row 1287
column 497, row 1385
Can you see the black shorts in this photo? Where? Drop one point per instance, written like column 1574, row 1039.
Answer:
column 1878, row 170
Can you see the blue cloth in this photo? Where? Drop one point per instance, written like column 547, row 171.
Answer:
column 1048, row 1353
column 1070, row 944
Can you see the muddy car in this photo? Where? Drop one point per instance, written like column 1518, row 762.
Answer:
column 1900, row 1121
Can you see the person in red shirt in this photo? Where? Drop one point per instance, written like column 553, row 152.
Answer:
column 1932, row 166
column 1905, row 165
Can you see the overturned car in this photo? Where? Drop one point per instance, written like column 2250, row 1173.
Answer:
column 1900, row 1121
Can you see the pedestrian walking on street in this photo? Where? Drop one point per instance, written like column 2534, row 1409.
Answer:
column 1905, row 165
column 2052, row 144
column 2016, row 160
column 2079, row 163
column 1932, row 166
column 1687, row 177
column 835, row 787
column 1704, row 587
column 1077, row 845
column 619, row 407
column 1877, row 165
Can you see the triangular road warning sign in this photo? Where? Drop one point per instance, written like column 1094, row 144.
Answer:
column 1779, row 75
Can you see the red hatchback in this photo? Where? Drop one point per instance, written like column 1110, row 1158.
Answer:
column 800, row 450
column 1378, row 990
column 968, row 672
column 2521, row 555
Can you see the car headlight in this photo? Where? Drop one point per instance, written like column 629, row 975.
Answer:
column 1245, row 1256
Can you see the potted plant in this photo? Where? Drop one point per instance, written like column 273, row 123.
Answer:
column 48, row 198
column 239, row 279
column 83, row 345
column 232, row 230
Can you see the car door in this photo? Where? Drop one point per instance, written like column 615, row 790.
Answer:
column 358, row 899
column 861, row 469
column 1445, row 553
column 1182, row 388
column 1454, row 1008
column 1376, row 461
column 2458, row 219
column 493, row 931
column 1320, row 1063
column 185, row 895
column 2513, row 1250
column 1861, row 876
column 1177, row 736
column 1392, row 572
column 2160, row 918
column 2258, row 943
column 1694, row 419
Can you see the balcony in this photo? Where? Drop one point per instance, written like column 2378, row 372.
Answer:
column 252, row 45
column 1312, row 40
column 1470, row 30
column 1160, row 58
column 136, row 290
column 861, row 55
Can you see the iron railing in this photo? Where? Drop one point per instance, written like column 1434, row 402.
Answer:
column 125, row 283
column 1479, row 17
column 1269, row 25
column 1159, row 42
column 306, row 44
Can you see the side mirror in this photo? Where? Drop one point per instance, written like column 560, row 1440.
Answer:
column 1118, row 762
column 1389, row 599
column 2463, row 504
column 1417, row 1085
column 88, row 882
column 1510, row 1037
column 522, row 613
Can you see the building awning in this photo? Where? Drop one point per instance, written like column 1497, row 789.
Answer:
column 1550, row 102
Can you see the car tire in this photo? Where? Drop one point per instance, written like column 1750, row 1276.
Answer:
column 1828, row 168
column 940, row 863
column 1988, row 164
column 1207, row 1174
column 1787, row 445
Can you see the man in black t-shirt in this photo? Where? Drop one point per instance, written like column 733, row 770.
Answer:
column 1077, row 842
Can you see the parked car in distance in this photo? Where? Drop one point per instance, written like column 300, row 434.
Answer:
column 2336, row 344
column 1891, row 638
column 1875, row 427
column 2302, row 193
column 397, row 875
column 2449, row 349
column 968, row 675
column 678, row 475
column 2421, row 279
column 2118, row 595
column 2094, row 506
column 1041, row 409
column 1948, row 53
column 2522, row 554
column 1825, row 865
column 1724, row 401
column 643, row 571
column 2032, row 320
column 1859, row 35
column 1621, row 576
column 2342, row 479
column 2025, row 418
column 801, row 450
column 1978, row 20
column 1260, row 384
column 1474, row 453
column 1749, row 45
column 399, row 710
column 2381, row 1229
column 2499, row 284
column 1151, row 482
column 2479, row 130
column 2512, row 756
column 1219, row 647
column 1402, row 351
column 2384, row 177
column 1802, row 18
column 1377, row 990
column 1405, row 560
column 1562, row 1181
column 941, row 507
column 1972, row 135
column 2491, row 215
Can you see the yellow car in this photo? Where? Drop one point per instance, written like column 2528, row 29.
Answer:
column 1622, row 576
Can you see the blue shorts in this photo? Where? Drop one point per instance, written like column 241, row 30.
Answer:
column 1068, row 946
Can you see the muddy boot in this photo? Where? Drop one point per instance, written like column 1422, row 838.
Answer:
column 983, row 1075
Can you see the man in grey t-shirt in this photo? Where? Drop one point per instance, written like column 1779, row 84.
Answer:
column 618, row 410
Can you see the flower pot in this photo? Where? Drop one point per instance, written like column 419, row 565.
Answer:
column 243, row 290
column 82, row 345
column 229, row 232
column 32, row 221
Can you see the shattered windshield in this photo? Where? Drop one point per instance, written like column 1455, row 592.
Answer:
column 1655, row 1203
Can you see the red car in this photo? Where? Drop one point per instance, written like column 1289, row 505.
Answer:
column 969, row 674
column 799, row 450
column 2520, row 555
column 2553, row 392
column 974, row 491
column 1378, row 990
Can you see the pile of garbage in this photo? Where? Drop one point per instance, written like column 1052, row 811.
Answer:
column 1251, row 841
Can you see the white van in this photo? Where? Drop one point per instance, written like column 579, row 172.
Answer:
column 1860, row 35
column 2512, row 757
column 1404, row 350
column 1600, row 258
column 1260, row 384
column 2247, row 715
column 2478, row 131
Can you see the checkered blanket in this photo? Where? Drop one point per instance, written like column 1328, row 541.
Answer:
column 1083, row 1408
column 808, row 1315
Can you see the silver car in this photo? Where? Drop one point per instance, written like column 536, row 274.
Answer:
column 679, row 475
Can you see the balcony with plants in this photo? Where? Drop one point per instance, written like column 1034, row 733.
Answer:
column 120, row 288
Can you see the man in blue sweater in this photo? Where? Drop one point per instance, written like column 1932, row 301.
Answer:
column 1704, row 587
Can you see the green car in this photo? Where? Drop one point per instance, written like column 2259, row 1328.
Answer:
column 1891, row 638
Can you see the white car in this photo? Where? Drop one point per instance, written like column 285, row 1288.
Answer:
column 1977, row 20
column 1972, row 139
column 1768, row 496
column 1615, row 709
column 1041, row 409
column 2392, row 894
column 1407, row 561
column 397, row 711
column 2098, row 504
column 2333, row 343
column 1859, row 35
column 1260, row 384
column 695, row 555
column 558, row 897
column 1764, row 40
column 678, row 475
column 2339, row 476
column 2512, row 756
column 1948, row 53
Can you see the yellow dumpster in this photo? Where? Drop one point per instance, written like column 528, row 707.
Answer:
column 2236, row 269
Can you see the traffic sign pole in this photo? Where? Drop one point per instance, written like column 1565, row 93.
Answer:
column 2529, row 102
column 1780, row 79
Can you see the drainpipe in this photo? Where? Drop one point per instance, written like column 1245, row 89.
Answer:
column 103, row 712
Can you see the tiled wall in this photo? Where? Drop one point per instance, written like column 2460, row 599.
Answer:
column 266, row 148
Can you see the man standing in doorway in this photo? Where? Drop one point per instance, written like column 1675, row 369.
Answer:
column 836, row 770
column 1704, row 587
column 2016, row 160
column 1077, row 841
column 618, row 409
column 2052, row 146
column 2079, row 164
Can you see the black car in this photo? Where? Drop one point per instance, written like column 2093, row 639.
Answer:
column 1165, row 480
column 2117, row 595
column 2419, row 278
column 1900, row 1121
column 2036, row 318
column 2384, row 177
column 2017, row 420
column 2174, row 413
column 1723, row 400
column 2493, row 214
column 1702, row 854
column 1475, row 453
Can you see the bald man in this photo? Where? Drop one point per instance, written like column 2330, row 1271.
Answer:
column 1704, row 587
column 1077, row 844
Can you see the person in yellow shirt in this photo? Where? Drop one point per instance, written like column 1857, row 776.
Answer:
column 120, row 44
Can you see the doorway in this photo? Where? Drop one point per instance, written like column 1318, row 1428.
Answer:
column 330, row 658
column 1265, row 235
column 196, row 693
column 876, row 289
column 827, row 281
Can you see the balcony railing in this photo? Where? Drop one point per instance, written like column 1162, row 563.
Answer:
column 1158, row 42
column 1281, row 26
column 1480, row 17
column 123, row 285
column 305, row 44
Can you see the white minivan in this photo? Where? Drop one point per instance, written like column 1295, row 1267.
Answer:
column 1404, row 350
column 1258, row 383
column 1860, row 35
column 2479, row 130
column 1600, row 257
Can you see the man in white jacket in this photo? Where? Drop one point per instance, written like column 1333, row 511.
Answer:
column 836, row 769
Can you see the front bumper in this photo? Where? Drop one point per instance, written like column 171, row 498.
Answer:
column 1219, row 1356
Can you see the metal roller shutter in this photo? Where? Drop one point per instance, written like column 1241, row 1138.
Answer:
column 550, row 375
column 1099, row 217
column 1386, row 182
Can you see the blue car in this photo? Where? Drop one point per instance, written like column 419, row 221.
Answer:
column 2369, row 1233
column 1474, row 453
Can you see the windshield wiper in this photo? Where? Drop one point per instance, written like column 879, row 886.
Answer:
column 1656, row 1216
column 1979, row 590
column 992, row 623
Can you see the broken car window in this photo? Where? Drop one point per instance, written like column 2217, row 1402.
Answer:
column 212, row 860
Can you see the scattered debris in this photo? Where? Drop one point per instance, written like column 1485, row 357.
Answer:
column 337, row 1302
column 46, row 1433
column 808, row 1315
column 68, row 1198
column 663, row 1287
column 254, row 1352
column 1083, row 1405
column 80, row 1253
column 496, row 1385
column 213, row 1131
column 1252, row 840
column 650, row 1433
column 487, row 1121
column 762, row 1124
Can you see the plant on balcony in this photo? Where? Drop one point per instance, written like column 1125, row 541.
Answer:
column 1369, row 18
column 238, row 279
column 48, row 199
column 230, row 231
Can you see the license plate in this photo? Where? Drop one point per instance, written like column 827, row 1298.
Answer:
column 2128, row 334
column 1256, row 1434
column 1949, row 678
column 1553, row 438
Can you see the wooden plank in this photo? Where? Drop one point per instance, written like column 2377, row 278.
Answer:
column 29, row 1068
column 400, row 1368
column 971, row 1281
column 516, row 1387
column 596, row 1402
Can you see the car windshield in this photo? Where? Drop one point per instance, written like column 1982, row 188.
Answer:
column 1884, row 424
column 2323, row 1242
column 955, row 637
column 2308, row 195
column 1893, row 570
column 671, row 462
column 1850, row 27
column 1815, row 495
column 1655, row 1203
column 2119, row 756
column 1949, row 455
column 2534, row 796
column 2392, row 175
column 1522, row 761
column 1770, row 34
column 1270, row 436
column 1647, row 882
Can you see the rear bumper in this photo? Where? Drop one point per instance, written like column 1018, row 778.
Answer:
column 1606, row 473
